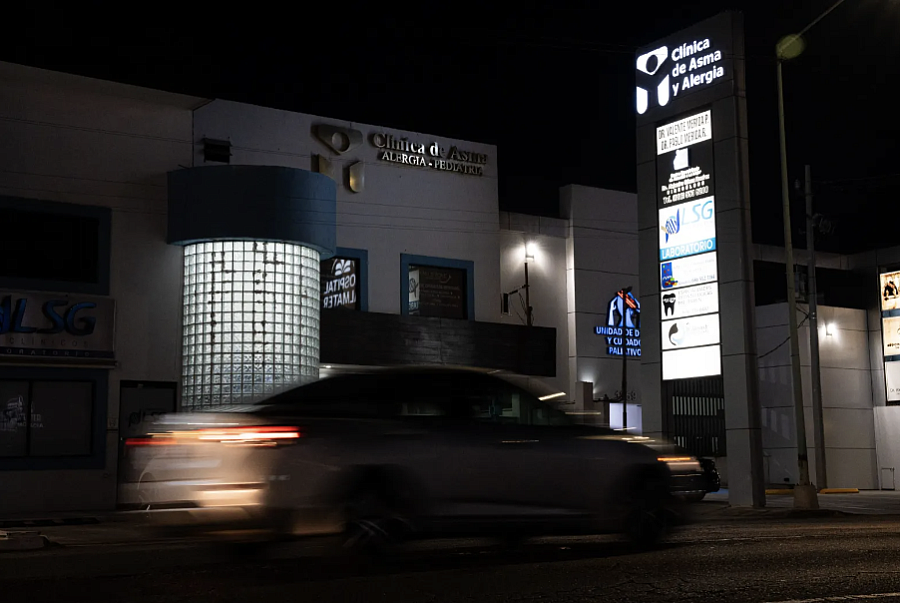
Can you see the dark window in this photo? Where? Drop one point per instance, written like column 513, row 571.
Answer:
column 49, row 246
column 438, row 292
column 340, row 280
column 218, row 151
column 46, row 418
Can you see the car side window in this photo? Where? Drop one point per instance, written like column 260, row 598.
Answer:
column 518, row 407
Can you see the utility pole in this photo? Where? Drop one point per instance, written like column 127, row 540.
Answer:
column 804, row 492
column 624, row 293
column 815, row 373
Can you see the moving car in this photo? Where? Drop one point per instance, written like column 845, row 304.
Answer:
column 397, row 453
column 692, row 477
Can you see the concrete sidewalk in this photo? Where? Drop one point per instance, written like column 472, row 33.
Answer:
column 866, row 502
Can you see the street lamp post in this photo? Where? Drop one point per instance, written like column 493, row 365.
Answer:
column 804, row 492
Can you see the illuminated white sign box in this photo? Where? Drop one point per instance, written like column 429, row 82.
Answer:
column 688, row 271
column 684, row 132
column 690, row 332
column 890, row 331
column 892, row 380
column 890, row 291
column 691, row 363
column 687, row 229
column 690, row 301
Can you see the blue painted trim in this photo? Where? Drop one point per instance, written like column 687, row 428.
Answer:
column 893, row 358
column 253, row 202
column 103, row 216
column 362, row 256
column 97, row 458
column 424, row 260
column 889, row 313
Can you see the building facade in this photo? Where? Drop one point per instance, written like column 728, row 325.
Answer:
column 170, row 253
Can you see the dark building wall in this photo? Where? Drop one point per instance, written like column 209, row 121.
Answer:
column 371, row 338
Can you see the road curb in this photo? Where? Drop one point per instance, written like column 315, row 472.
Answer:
column 790, row 491
column 22, row 541
column 47, row 522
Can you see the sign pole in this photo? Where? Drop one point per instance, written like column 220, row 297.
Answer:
column 625, row 293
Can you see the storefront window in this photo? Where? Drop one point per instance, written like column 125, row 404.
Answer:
column 45, row 418
column 438, row 292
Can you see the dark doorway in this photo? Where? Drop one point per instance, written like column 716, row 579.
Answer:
column 696, row 415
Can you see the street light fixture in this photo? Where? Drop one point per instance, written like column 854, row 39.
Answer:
column 804, row 493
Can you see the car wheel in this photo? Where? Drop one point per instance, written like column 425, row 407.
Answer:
column 695, row 497
column 148, row 492
column 373, row 524
column 648, row 519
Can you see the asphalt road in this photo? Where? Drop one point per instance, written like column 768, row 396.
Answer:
column 759, row 561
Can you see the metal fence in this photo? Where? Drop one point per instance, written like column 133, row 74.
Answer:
column 697, row 415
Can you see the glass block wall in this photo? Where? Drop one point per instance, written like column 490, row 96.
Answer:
column 251, row 320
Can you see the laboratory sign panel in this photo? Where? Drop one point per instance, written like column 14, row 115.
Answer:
column 56, row 326
column 687, row 229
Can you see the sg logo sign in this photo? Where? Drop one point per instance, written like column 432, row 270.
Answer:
column 687, row 229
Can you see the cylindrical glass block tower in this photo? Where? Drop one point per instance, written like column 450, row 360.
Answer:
column 253, row 237
column 251, row 320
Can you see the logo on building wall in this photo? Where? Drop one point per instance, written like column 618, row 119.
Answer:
column 663, row 75
column 623, row 325
column 341, row 141
column 43, row 325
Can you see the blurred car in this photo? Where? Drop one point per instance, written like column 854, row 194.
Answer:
column 396, row 453
column 692, row 477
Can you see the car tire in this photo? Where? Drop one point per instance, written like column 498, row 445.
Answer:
column 374, row 524
column 648, row 517
column 695, row 497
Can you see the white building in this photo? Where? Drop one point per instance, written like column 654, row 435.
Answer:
column 157, row 241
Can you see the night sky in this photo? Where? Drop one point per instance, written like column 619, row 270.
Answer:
column 552, row 87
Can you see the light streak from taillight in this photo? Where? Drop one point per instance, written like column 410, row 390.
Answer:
column 250, row 435
column 151, row 441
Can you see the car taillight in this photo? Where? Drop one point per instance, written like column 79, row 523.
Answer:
column 266, row 435
column 150, row 441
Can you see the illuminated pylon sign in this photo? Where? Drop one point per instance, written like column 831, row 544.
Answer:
column 623, row 325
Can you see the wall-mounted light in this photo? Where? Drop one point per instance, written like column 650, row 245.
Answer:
column 828, row 330
column 529, row 252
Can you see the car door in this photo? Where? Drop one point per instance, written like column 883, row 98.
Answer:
column 553, row 467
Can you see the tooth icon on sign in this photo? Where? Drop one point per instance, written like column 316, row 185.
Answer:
column 682, row 160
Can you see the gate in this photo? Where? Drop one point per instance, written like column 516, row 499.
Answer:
column 696, row 415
